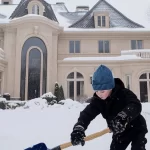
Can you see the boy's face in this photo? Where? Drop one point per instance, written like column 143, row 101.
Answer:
column 103, row 94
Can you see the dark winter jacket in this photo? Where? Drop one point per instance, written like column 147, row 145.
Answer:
column 120, row 99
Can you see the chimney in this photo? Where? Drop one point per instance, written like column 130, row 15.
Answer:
column 60, row 3
column 82, row 8
column 6, row 2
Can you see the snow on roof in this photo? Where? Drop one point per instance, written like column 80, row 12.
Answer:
column 4, row 21
column 123, row 52
column 7, row 10
column 119, row 58
column 107, row 29
column 62, row 20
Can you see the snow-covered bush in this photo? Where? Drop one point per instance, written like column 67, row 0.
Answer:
column 14, row 104
column 2, row 103
column 11, row 104
column 51, row 99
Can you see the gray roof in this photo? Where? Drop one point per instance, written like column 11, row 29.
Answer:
column 21, row 10
column 117, row 19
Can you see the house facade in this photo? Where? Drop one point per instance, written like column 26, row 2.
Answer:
column 43, row 43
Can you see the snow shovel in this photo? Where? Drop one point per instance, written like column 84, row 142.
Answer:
column 42, row 146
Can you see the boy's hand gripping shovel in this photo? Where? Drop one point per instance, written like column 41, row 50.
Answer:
column 42, row 146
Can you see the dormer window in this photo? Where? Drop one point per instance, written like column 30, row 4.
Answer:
column 35, row 9
column 101, row 19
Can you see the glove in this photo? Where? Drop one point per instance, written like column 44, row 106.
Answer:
column 77, row 136
column 119, row 123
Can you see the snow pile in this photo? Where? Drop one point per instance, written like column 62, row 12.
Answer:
column 22, row 128
column 36, row 103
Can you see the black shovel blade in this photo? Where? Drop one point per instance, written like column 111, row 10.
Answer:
column 39, row 146
column 42, row 146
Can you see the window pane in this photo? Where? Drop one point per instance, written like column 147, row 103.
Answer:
column 103, row 21
column 80, row 88
column 128, row 82
column 143, row 91
column 100, row 46
column 0, row 87
column 106, row 45
column 77, row 46
column 71, row 76
column 0, row 75
column 71, row 89
column 99, row 21
column 133, row 44
column 34, row 73
column 35, row 9
column 79, row 75
column 71, row 46
column 143, row 76
column 139, row 44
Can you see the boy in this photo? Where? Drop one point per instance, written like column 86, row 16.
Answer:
column 121, row 109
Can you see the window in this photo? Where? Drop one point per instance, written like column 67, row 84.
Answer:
column 144, row 82
column 103, row 46
column 5, row 3
column 0, row 82
column 128, row 82
column 101, row 21
column 136, row 44
column 75, row 85
column 35, row 9
column 74, row 46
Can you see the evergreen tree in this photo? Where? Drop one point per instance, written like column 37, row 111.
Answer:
column 56, row 91
column 61, row 94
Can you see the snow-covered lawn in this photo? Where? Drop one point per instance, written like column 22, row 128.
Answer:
column 24, row 127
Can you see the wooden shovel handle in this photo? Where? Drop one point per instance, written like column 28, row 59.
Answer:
column 87, row 138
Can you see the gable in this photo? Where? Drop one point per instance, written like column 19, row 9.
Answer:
column 116, row 18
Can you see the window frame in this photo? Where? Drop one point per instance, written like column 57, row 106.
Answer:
column 136, row 44
column 147, row 80
column 75, row 81
column 104, row 47
column 75, row 49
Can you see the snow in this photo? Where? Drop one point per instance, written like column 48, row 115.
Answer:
column 64, row 22
column 122, row 57
column 7, row 10
column 24, row 127
column 108, row 30
column 49, row 94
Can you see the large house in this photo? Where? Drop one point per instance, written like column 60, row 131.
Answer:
column 43, row 43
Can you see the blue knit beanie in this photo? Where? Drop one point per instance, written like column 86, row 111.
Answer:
column 102, row 79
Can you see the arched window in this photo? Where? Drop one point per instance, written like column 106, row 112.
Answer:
column 35, row 9
column 33, row 68
column 144, row 82
column 75, row 85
